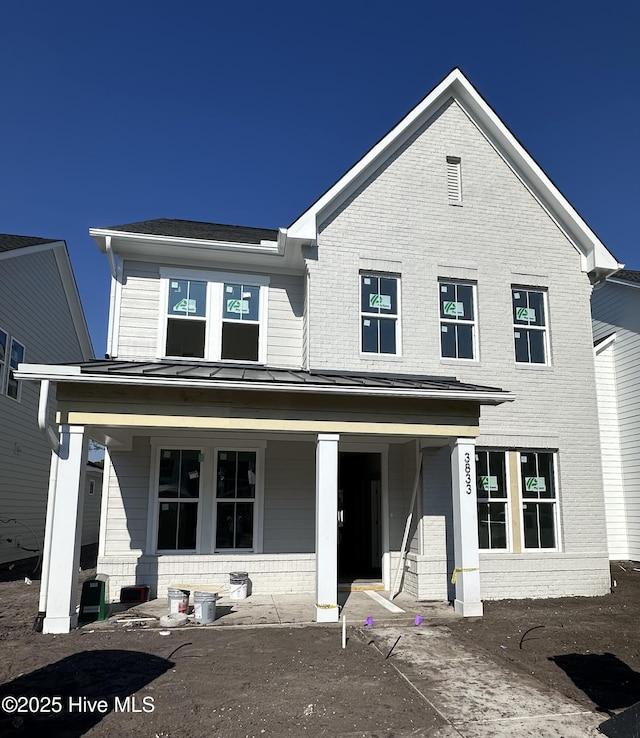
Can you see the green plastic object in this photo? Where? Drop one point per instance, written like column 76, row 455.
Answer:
column 93, row 600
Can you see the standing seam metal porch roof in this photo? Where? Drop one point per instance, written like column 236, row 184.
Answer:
column 247, row 375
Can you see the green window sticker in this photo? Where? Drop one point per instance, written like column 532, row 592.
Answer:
column 489, row 483
column 528, row 314
column 185, row 306
column 453, row 309
column 380, row 301
column 238, row 306
column 535, row 484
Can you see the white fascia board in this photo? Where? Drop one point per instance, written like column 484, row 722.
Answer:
column 73, row 300
column 623, row 282
column 52, row 373
column 14, row 253
column 604, row 344
column 596, row 257
column 271, row 247
column 46, row 371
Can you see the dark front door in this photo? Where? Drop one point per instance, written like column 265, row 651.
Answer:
column 359, row 520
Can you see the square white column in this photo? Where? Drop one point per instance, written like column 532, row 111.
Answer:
column 64, row 536
column 465, row 528
column 327, row 528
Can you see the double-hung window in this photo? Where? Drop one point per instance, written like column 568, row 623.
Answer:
column 492, row 499
column 214, row 316
column 178, row 499
column 187, row 318
column 457, row 320
column 379, row 312
column 539, row 499
column 235, row 499
column 529, row 326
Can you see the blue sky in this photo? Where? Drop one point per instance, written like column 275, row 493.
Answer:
column 245, row 112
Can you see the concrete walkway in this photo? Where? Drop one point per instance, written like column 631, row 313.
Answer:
column 476, row 697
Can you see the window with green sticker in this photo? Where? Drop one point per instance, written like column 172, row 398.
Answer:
column 491, row 485
column 215, row 316
column 529, row 326
column 457, row 320
column 379, row 314
column 539, row 499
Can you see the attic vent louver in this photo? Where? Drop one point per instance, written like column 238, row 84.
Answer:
column 454, row 180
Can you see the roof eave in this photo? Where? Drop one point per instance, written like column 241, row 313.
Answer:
column 73, row 374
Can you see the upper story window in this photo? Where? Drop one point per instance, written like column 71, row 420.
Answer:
column 530, row 326
column 214, row 316
column 379, row 313
column 454, row 180
column 457, row 320
column 492, row 499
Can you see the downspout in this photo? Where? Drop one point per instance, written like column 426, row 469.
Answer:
column 54, row 442
column 109, row 250
column 46, row 430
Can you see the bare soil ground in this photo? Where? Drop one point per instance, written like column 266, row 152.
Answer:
column 588, row 648
column 236, row 682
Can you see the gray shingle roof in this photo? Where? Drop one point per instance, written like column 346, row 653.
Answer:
column 629, row 275
column 197, row 230
column 9, row 242
column 248, row 374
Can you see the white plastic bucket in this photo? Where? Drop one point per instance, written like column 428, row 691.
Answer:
column 178, row 601
column 204, row 607
column 238, row 585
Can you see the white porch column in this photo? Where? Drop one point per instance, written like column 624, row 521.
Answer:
column 465, row 528
column 66, row 492
column 327, row 528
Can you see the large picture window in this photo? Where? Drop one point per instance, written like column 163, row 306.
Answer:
column 235, row 499
column 214, row 316
column 492, row 499
column 457, row 320
column 379, row 314
column 529, row 326
column 539, row 499
column 178, row 498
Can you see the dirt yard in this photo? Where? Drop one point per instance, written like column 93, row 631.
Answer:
column 588, row 648
column 237, row 682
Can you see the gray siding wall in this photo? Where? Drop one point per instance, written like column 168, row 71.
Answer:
column 401, row 222
column 128, row 499
column 140, row 309
column 91, row 509
column 289, row 497
column 34, row 311
column 616, row 308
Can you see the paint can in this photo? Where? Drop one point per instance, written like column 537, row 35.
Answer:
column 204, row 607
column 178, row 600
column 238, row 585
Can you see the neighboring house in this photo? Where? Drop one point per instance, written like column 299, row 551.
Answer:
column 615, row 306
column 398, row 388
column 41, row 322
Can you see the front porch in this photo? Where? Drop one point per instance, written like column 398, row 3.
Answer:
column 202, row 482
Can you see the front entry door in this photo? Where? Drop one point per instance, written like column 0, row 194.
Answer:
column 359, row 516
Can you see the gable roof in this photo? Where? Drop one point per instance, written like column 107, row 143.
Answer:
column 15, row 247
column 596, row 258
column 10, row 242
column 197, row 230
